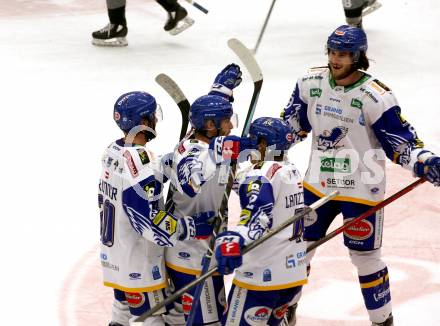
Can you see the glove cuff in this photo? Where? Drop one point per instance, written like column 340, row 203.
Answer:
column 219, row 88
column 186, row 228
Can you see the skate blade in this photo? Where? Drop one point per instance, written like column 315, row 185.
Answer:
column 185, row 24
column 113, row 42
column 368, row 10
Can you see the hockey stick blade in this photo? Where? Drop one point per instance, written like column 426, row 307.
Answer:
column 138, row 321
column 254, row 70
column 372, row 210
column 170, row 86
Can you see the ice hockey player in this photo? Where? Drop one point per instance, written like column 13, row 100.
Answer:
column 270, row 276
column 354, row 10
column 115, row 32
column 134, row 229
column 195, row 165
column 355, row 122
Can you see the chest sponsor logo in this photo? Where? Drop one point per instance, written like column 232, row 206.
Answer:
column 356, row 103
column 318, row 109
column 359, row 231
column 330, row 139
column 339, row 183
column 337, row 114
column 248, row 274
column 362, row 119
column 315, row 92
column 332, row 164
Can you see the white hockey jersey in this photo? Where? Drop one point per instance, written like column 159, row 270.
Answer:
column 134, row 231
column 196, row 177
column 270, row 193
column 354, row 129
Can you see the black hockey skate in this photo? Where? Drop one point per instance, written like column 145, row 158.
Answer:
column 110, row 35
column 372, row 5
column 178, row 21
column 388, row 322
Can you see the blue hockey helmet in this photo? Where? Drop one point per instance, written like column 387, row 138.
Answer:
column 209, row 107
column 130, row 108
column 348, row 38
column 274, row 130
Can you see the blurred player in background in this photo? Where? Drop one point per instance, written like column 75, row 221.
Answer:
column 354, row 10
column 356, row 123
column 115, row 32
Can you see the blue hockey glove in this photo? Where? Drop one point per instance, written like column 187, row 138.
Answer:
column 226, row 81
column 198, row 226
column 204, row 221
column 430, row 169
column 228, row 246
column 228, row 148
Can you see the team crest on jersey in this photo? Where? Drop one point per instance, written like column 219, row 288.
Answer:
column 330, row 139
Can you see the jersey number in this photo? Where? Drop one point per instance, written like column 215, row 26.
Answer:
column 107, row 216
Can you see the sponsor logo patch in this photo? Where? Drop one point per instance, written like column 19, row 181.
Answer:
column 360, row 230
column 257, row 315
column 135, row 300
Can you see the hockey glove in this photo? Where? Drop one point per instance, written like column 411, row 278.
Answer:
column 226, row 81
column 204, row 223
column 198, row 226
column 228, row 246
column 429, row 168
column 228, row 148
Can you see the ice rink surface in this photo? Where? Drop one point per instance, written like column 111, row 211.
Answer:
column 57, row 97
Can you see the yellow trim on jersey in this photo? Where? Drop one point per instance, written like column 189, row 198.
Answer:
column 185, row 270
column 270, row 287
column 146, row 289
column 374, row 283
column 341, row 198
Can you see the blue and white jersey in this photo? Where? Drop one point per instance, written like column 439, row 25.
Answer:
column 134, row 231
column 196, row 177
column 270, row 193
column 354, row 129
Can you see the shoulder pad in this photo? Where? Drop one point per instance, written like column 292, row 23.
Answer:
column 379, row 87
column 273, row 168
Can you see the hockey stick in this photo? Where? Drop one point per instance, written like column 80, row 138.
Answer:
column 248, row 248
column 170, row 86
column 264, row 27
column 372, row 210
column 221, row 222
column 198, row 6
